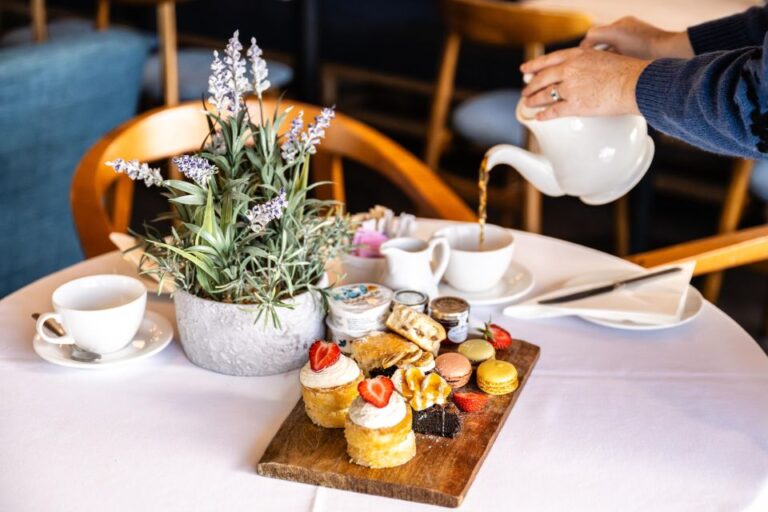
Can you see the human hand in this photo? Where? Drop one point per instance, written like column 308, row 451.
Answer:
column 588, row 83
column 634, row 38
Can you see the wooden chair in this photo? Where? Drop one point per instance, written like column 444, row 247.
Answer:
column 496, row 23
column 102, row 200
column 166, row 32
column 713, row 254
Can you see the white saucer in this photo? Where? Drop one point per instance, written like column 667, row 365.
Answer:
column 517, row 281
column 155, row 333
column 693, row 305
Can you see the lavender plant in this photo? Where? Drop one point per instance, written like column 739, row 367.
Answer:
column 246, row 230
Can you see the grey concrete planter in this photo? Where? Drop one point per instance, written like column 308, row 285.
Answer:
column 226, row 338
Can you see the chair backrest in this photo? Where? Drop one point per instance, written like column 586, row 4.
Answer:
column 169, row 131
column 56, row 100
column 712, row 254
column 498, row 23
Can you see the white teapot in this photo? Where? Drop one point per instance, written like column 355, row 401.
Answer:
column 414, row 264
column 598, row 159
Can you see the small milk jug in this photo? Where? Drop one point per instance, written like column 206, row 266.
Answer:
column 414, row 264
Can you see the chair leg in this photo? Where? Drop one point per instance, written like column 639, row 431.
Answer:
column 733, row 206
column 102, row 15
column 329, row 86
column 39, row 22
column 166, row 26
column 532, row 209
column 441, row 100
column 621, row 225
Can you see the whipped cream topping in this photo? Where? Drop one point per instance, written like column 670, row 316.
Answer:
column 341, row 372
column 369, row 416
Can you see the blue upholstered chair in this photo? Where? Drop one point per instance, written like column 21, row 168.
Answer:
column 489, row 118
column 56, row 99
column 64, row 27
column 193, row 63
column 194, row 68
column 759, row 181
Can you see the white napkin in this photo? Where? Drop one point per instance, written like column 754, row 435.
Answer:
column 657, row 301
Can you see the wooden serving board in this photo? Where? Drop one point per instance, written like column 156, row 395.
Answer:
column 439, row 474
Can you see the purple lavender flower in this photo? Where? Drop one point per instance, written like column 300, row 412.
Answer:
column 217, row 85
column 262, row 214
column 216, row 143
column 137, row 171
column 259, row 69
column 228, row 81
column 238, row 81
column 292, row 144
column 316, row 130
column 195, row 168
column 298, row 144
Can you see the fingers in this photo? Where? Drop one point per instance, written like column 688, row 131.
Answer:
column 559, row 109
column 548, row 60
column 543, row 80
column 596, row 36
column 541, row 98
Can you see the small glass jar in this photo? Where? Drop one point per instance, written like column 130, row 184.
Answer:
column 411, row 298
column 453, row 314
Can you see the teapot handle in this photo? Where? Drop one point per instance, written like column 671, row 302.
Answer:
column 444, row 255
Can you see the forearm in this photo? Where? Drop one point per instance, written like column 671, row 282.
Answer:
column 712, row 101
column 730, row 33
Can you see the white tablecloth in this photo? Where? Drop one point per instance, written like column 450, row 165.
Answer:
column 610, row 420
column 667, row 14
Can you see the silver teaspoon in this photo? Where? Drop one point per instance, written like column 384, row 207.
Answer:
column 76, row 353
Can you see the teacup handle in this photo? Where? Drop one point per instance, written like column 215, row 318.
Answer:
column 442, row 258
column 40, row 328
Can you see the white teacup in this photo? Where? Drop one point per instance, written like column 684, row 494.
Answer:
column 471, row 268
column 100, row 313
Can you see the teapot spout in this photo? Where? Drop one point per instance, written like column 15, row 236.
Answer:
column 534, row 168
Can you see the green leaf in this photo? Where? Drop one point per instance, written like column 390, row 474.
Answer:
column 189, row 200
column 185, row 186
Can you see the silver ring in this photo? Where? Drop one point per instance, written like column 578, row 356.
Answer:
column 554, row 94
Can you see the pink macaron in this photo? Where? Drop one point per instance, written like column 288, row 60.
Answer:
column 454, row 368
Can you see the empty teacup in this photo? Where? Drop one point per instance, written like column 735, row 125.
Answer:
column 472, row 268
column 99, row 313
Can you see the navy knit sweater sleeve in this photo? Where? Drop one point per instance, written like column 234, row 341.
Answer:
column 718, row 100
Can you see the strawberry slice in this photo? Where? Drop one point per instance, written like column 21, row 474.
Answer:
column 323, row 354
column 496, row 336
column 470, row 401
column 376, row 391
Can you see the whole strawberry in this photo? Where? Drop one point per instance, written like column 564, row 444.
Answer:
column 496, row 336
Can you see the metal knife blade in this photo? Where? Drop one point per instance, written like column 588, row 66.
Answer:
column 599, row 290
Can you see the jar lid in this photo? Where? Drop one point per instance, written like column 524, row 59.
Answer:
column 448, row 307
column 359, row 297
column 410, row 297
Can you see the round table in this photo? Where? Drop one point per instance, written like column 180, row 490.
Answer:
column 610, row 420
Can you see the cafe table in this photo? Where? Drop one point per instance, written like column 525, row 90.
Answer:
column 671, row 420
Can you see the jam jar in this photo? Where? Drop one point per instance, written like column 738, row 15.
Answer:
column 453, row 314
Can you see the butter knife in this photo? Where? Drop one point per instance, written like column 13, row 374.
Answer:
column 599, row 290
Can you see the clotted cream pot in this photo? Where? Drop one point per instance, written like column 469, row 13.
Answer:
column 598, row 159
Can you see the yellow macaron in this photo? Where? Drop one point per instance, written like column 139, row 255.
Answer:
column 497, row 377
column 477, row 350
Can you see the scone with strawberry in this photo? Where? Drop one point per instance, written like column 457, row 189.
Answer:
column 328, row 384
column 378, row 426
